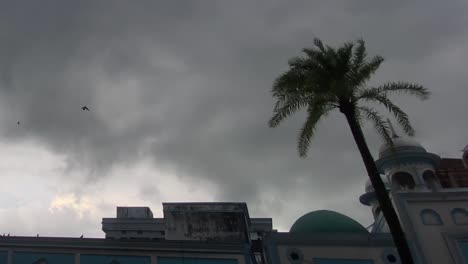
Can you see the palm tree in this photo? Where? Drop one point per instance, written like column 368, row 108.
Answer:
column 326, row 79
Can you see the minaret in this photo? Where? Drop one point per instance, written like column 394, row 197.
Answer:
column 369, row 199
column 405, row 166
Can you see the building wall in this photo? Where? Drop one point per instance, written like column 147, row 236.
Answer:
column 206, row 221
column 335, row 248
column 89, row 257
column 200, row 258
column 32, row 250
column 429, row 223
column 224, row 226
column 3, row 257
column 343, row 261
column 335, row 254
column 113, row 259
column 185, row 260
column 43, row 258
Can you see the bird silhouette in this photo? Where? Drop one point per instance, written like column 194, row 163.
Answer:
column 81, row 236
column 37, row 235
column 18, row 122
column 85, row 108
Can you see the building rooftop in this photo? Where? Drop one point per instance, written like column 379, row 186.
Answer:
column 450, row 163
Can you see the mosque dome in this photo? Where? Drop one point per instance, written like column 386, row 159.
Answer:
column 403, row 151
column 400, row 145
column 324, row 221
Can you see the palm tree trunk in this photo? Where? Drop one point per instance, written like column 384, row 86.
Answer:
column 382, row 195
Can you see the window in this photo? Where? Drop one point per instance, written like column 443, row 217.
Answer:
column 460, row 216
column 463, row 246
column 181, row 260
column 461, row 179
column 114, row 259
column 430, row 217
column 403, row 181
column 42, row 258
column 3, row 257
column 41, row 261
column 342, row 261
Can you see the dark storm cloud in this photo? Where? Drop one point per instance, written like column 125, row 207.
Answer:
column 190, row 82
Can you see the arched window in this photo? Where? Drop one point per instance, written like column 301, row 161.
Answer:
column 430, row 217
column 431, row 180
column 460, row 216
column 403, row 181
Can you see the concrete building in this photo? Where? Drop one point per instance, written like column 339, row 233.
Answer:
column 430, row 196
column 429, row 193
column 188, row 233
column 434, row 215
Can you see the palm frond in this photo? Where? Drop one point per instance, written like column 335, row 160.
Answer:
column 407, row 88
column 366, row 70
column 359, row 56
column 286, row 107
column 381, row 126
column 319, row 60
column 345, row 55
column 318, row 43
column 324, row 54
column 290, row 82
column 366, row 93
column 314, row 114
column 400, row 115
column 360, row 117
column 345, row 52
column 325, row 78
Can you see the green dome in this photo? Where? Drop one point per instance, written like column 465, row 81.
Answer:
column 324, row 221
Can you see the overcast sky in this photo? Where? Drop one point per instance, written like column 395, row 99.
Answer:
column 179, row 99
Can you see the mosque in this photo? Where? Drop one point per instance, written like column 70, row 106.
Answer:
column 429, row 193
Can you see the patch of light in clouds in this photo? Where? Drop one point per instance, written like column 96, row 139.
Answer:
column 37, row 199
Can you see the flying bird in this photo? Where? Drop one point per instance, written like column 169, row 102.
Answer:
column 85, row 108
column 18, row 122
